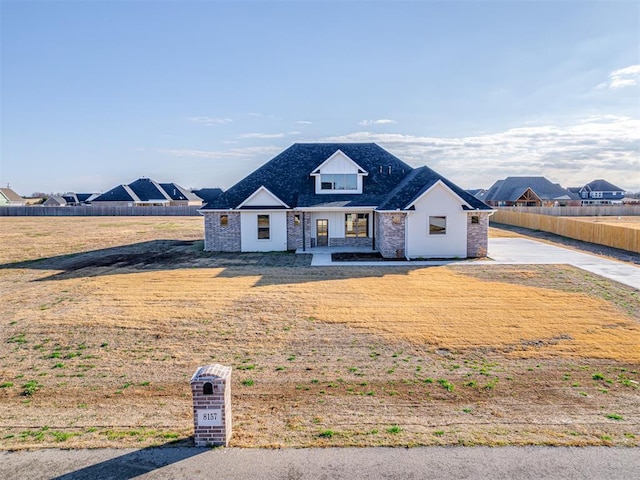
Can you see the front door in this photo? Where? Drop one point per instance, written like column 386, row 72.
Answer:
column 322, row 232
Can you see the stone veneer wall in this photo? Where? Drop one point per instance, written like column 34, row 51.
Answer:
column 477, row 235
column 219, row 238
column 362, row 242
column 294, row 232
column 390, row 235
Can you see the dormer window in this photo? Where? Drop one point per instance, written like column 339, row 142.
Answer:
column 339, row 181
column 338, row 174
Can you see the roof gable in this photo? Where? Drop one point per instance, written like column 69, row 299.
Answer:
column 512, row 188
column 420, row 181
column 430, row 188
column 338, row 162
column 262, row 198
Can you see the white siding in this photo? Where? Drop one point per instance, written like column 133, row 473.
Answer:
column 339, row 163
column 262, row 198
column 439, row 201
column 278, row 231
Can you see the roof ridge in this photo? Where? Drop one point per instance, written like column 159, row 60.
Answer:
column 131, row 193
column 401, row 184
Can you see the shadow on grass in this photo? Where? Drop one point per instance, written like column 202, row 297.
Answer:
column 167, row 255
column 136, row 463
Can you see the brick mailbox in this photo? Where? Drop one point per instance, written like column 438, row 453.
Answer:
column 211, row 388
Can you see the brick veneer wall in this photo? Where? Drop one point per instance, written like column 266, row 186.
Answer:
column 477, row 235
column 220, row 378
column 219, row 238
column 294, row 232
column 390, row 235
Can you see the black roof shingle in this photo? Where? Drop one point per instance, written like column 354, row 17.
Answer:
column 390, row 183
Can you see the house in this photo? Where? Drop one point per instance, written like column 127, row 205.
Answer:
column 207, row 195
column 10, row 198
column 79, row 199
column 601, row 192
column 145, row 192
column 55, row 201
column 528, row 192
column 347, row 194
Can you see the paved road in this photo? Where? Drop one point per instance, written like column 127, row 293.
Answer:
column 335, row 463
column 522, row 251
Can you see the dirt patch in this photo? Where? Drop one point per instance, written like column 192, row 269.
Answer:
column 358, row 257
column 97, row 345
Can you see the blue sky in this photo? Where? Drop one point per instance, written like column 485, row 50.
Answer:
column 99, row 93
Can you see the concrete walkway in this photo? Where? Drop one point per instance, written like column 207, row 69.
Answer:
column 516, row 251
column 440, row 463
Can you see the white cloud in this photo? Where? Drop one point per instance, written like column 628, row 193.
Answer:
column 233, row 153
column 624, row 77
column 597, row 147
column 210, row 121
column 382, row 121
column 262, row 135
column 304, row 122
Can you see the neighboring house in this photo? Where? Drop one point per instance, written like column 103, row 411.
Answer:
column 349, row 194
column 145, row 192
column 528, row 192
column 601, row 192
column 207, row 195
column 79, row 199
column 10, row 198
column 55, row 201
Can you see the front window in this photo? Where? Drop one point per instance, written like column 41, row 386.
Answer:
column 356, row 225
column 264, row 232
column 224, row 220
column 339, row 181
column 437, row 225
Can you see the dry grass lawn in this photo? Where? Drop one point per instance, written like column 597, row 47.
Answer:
column 105, row 319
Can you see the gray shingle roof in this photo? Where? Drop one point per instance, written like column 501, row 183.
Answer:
column 208, row 194
column 116, row 194
column 512, row 188
column 176, row 192
column 390, row 183
column 603, row 186
column 145, row 190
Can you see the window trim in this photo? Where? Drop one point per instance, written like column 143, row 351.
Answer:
column 434, row 229
column 357, row 231
column 262, row 228
column 331, row 179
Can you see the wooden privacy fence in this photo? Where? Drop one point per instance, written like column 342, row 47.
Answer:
column 90, row 211
column 616, row 236
column 590, row 211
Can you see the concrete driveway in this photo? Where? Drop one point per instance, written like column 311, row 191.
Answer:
column 518, row 251
column 525, row 251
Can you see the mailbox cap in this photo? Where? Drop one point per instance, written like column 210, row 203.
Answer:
column 211, row 372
